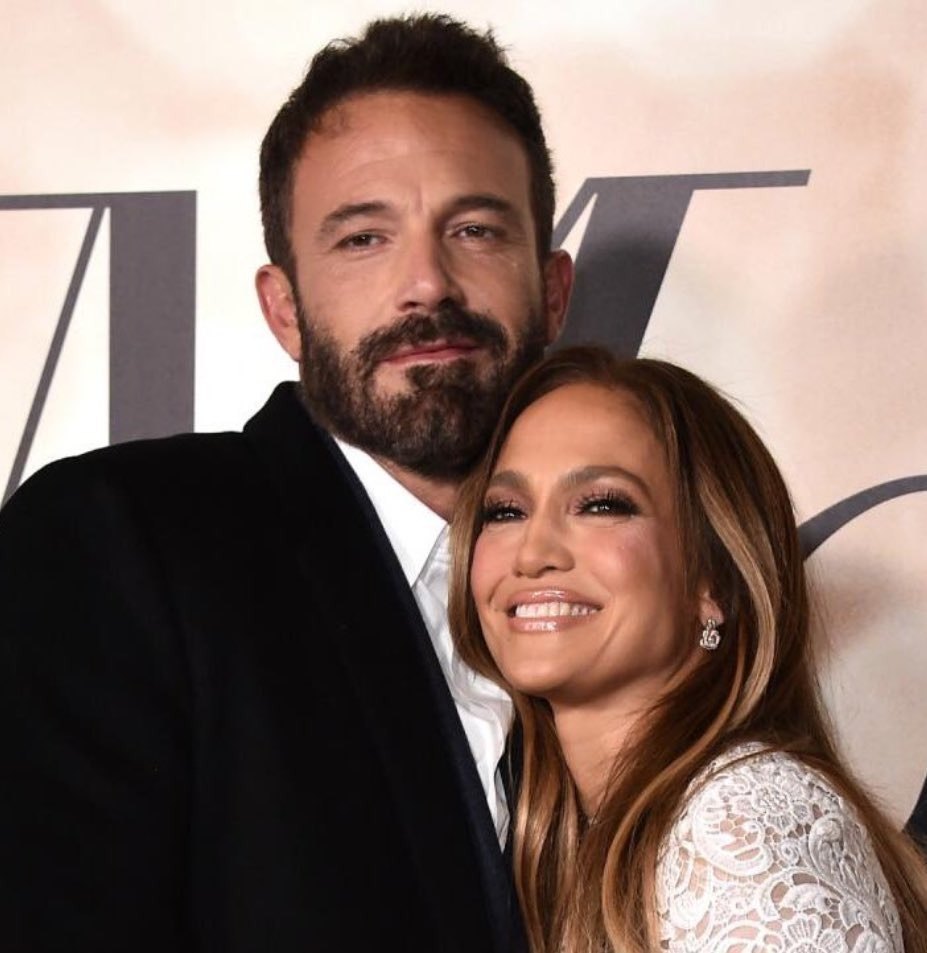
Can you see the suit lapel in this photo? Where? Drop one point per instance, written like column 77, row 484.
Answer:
column 363, row 605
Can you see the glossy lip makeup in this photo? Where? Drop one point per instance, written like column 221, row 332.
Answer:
column 549, row 610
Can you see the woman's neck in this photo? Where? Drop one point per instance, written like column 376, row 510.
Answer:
column 591, row 740
column 593, row 733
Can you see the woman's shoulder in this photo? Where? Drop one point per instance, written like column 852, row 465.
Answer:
column 754, row 805
column 765, row 845
column 751, row 767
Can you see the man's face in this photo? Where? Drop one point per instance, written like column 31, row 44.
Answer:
column 418, row 297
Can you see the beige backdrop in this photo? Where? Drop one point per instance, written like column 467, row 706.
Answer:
column 807, row 304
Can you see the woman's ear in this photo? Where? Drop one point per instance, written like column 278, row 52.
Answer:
column 708, row 606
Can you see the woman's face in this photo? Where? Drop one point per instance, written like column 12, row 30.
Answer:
column 577, row 572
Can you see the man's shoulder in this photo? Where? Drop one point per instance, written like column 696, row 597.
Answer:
column 158, row 462
column 168, row 469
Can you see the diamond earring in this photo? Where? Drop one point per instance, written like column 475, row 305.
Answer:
column 710, row 638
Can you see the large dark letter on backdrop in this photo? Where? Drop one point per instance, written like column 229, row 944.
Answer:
column 627, row 245
column 622, row 259
column 152, row 312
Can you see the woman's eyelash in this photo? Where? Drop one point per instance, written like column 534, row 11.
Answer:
column 609, row 503
column 500, row 511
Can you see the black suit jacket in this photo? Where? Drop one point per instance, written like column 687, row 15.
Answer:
column 223, row 726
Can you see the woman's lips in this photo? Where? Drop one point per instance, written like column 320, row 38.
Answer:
column 549, row 610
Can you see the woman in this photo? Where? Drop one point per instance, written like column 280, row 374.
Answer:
column 627, row 565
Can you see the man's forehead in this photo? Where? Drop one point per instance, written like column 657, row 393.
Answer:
column 405, row 146
column 369, row 107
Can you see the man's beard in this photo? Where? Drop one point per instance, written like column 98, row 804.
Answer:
column 440, row 424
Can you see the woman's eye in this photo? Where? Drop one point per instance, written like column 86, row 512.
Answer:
column 608, row 504
column 501, row 513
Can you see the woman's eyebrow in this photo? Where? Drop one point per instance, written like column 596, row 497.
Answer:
column 593, row 472
column 515, row 480
column 509, row 480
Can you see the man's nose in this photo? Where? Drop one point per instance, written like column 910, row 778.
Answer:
column 543, row 548
column 426, row 276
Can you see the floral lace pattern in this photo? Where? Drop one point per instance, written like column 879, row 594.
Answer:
column 767, row 856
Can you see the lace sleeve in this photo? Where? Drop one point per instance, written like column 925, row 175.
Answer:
column 767, row 856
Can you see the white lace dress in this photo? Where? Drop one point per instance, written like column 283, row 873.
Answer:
column 767, row 856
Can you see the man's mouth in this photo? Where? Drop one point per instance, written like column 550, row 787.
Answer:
column 448, row 335
column 431, row 352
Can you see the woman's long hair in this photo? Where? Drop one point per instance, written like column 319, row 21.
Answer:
column 594, row 889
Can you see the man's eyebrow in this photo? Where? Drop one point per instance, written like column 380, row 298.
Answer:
column 481, row 201
column 344, row 213
column 477, row 201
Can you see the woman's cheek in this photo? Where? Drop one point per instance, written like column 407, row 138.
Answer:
column 491, row 562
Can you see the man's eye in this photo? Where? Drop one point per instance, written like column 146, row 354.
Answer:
column 361, row 240
column 501, row 513
column 475, row 230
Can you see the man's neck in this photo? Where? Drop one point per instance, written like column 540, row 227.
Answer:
column 438, row 495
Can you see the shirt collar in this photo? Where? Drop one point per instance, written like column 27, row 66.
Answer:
column 411, row 527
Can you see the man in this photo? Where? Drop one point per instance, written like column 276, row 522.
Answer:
column 231, row 715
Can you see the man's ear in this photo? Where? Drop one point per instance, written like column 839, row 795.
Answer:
column 558, row 283
column 278, row 305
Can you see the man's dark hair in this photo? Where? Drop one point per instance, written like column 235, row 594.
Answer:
column 428, row 53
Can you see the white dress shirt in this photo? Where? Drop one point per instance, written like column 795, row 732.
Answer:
column 419, row 538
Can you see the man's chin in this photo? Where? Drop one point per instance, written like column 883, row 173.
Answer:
column 390, row 380
column 401, row 378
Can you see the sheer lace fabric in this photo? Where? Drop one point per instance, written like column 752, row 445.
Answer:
column 767, row 856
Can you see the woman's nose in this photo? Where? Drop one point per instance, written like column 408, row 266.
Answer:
column 543, row 548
